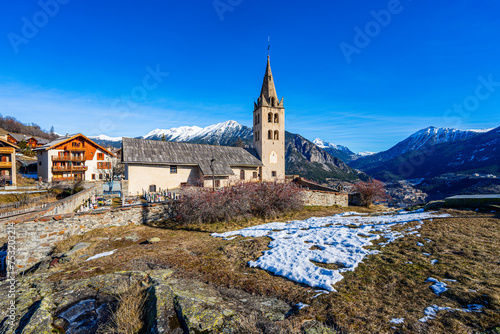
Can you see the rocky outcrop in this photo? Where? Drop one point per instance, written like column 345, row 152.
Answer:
column 306, row 159
column 172, row 305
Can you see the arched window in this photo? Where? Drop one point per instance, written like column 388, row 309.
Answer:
column 276, row 118
column 255, row 120
column 276, row 135
column 270, row 134
column 270, row 118
column 272, row 101
column 258, row 118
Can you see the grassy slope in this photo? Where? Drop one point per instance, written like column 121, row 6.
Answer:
column 381, row 288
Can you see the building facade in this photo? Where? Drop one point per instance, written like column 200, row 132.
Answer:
column 8, row 170
column 73, row 158
column 151, row 165
column 269, row 129
column 32, row 141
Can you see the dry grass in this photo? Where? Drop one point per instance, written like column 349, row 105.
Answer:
column 128, row 317
column 383, row 287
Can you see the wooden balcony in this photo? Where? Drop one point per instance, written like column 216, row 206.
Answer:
column 5, row 164
column 67, row 158
column 56, row 169
column 8, row 150
column 71, row 178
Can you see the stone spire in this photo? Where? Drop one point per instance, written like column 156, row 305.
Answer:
column 268, row 96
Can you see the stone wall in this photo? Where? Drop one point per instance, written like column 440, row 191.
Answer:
column 35, row 238
column 64, row 206
column 325, row 198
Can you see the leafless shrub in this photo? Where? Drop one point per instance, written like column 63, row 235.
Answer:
column 244, row 200
column 371, row 191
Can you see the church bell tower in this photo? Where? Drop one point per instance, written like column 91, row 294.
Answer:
column 269, row 130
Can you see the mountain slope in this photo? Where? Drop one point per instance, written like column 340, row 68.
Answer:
column 306, row 159
column 226, row 133
column 337, row 151
column 479, row 153
column 420, row 139
column 302, row 156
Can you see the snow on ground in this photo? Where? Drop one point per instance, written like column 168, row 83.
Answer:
column 339, row 239
column 431, row 311
column 397, row 320
column 438, row 287
column 101, row 255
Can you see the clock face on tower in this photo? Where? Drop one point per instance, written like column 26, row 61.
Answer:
column 273, row 158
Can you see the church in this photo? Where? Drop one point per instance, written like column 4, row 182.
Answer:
column 151, row 165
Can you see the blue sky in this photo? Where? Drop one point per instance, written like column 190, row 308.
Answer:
column 356, row 73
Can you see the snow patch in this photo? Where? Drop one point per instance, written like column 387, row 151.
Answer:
column 290, row 254
column 101, row 255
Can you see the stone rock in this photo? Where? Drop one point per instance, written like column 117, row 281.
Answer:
column 196, row 307
column 133, row 237
column 153, row 240
column 38, row 318
column 77, row 247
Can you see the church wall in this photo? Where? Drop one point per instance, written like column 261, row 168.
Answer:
column 266, row 146
column 142, row 176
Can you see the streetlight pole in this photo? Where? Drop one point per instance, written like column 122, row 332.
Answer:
column 213, row 174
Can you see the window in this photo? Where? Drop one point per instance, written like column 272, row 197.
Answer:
column 100, row 176
column 272, row 101
column 100, row 156
column 258, row 118
column 270, row 134
column 276, row 135
column 93, row 176
column 242, row 174
column 273, row 173
column 276, row 118
column 270, row 118
column 173, row 169
column 255, row 175
column 217, row 183
column 39, row 163
column 152, row 188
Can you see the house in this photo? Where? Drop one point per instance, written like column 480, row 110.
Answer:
column 73, row 158
column 8, row 172
column 31, row 141
column 152, row 165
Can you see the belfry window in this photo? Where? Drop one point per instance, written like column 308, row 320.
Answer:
column 270, row 118
column 276, row 118
column 276, row 135
column 270, row 134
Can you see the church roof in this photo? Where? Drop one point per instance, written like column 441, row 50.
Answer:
column 268, row 96
column 142, row 151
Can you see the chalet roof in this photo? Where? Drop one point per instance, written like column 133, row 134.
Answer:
column 66, row 138
column 141, row 151
column 4, row 143
column 19, row 137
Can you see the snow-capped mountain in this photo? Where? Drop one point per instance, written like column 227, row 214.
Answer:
column 338, row 151
column 218, row 134
column 418, row 140
column 433, row 135
column 106, row 138
column 324, row 144
column 366, row 153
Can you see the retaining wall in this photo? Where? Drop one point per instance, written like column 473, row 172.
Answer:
column 35, row 238
column 325, row 198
